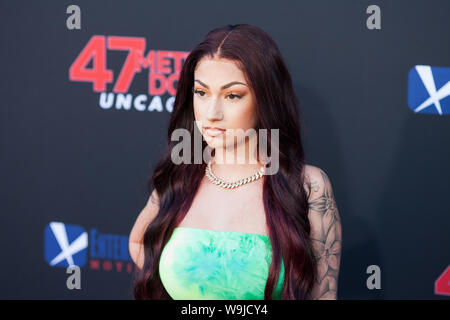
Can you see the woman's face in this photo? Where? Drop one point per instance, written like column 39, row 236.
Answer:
column 223, row 99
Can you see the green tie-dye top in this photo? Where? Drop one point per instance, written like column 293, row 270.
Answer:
column 203, row 264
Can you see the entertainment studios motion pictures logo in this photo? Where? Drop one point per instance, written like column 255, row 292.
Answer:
column 429, row 90
column 67, row 245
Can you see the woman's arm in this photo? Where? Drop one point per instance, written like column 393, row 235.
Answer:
column 135, row 245
column 326, row 232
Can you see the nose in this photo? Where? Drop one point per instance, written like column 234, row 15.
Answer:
column 214, row 112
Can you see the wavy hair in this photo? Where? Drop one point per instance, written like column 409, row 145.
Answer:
column 285, row 199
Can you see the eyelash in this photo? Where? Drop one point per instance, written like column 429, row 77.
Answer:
column 231, row 94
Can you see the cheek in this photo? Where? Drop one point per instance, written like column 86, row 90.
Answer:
column 243, row 118
column 200, row 106
column 198, row 111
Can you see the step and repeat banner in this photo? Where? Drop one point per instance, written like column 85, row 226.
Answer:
column 87, row 89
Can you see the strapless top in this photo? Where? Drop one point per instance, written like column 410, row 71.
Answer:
column 204, row 264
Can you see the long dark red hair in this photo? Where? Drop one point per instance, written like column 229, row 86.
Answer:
column 285, row 199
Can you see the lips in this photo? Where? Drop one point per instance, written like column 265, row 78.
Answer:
column 214, row 131
column 214, row 128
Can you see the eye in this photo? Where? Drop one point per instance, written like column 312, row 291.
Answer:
column 200, row 93
column 235, row 96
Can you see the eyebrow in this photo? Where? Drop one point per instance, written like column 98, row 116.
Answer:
column 223, row 87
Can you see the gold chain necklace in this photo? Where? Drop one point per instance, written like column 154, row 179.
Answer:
column 231, row 185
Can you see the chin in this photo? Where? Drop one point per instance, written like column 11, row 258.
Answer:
column 214, row 142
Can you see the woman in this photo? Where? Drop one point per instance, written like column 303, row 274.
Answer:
column 202, row 237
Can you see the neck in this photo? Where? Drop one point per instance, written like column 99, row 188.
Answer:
column 228, row 166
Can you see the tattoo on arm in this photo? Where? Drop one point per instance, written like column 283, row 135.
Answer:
column 326, row 237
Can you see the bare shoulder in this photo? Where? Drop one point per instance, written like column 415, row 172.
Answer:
column 153, row 199
column 316, row 182
column 145, row 217
column 320, row 191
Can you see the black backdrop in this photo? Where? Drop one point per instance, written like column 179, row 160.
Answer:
column 66, row 159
